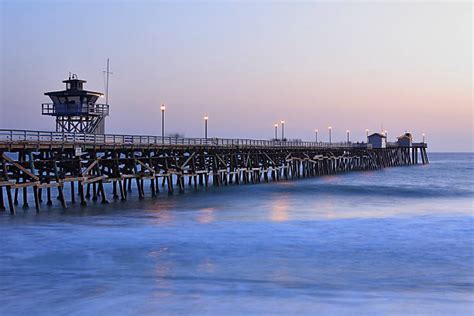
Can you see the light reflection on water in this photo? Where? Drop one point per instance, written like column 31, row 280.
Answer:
column 280, row 207
column 365, row 243
column 206, row 215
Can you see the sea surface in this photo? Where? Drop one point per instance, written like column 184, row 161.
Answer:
column 398, row 241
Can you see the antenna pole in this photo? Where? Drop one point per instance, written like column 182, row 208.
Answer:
column 107, row 84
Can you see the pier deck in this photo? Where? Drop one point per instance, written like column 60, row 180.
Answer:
column 47, row 161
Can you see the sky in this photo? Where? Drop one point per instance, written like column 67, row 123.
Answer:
column 403, row 66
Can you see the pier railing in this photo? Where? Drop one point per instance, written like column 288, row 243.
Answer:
column 55, row 138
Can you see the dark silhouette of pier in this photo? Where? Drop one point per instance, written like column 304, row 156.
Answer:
column 39, row 163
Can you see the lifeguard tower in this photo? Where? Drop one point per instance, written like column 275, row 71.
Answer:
column 75, row 109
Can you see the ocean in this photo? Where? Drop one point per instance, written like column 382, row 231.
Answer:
column 398, row 241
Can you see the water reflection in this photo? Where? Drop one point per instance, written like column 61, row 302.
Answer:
column 163, row 283
column 206, row 266
column 206, row 215
column 279, row 207
column 162, row 271
column 162, row 213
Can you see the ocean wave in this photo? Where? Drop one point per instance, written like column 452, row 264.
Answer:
column 379, row 190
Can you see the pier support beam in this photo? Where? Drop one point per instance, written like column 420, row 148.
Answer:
column 100, row 168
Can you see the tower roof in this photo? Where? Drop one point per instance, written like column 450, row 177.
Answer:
column 74, row 80
column 73, row 92
column 74, row 87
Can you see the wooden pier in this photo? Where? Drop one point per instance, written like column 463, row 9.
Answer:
column 45, row 164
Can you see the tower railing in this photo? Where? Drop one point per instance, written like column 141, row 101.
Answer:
column 66, row 109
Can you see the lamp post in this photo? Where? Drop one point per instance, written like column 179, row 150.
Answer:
column 316, row 134
column 282, row 130
column 206, row 118
column 163, row 108
column 330, row 130
column 423, row 137
column 367, row 134
column 348, row 132
column 276, row 131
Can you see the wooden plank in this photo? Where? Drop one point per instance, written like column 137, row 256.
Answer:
column 271, row 160
column 95, row 179
column 92, row 165
column 72, row 179
column 145, row 166
column 26, row 171
column 25, row 184
column 49, row 185
column 221, row 160
column 187, row 160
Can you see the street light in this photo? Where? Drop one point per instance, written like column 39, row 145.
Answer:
column 423, row 137
column 316, row 134
column 367, row 134
column 276, row 131
column 206, row 118
column 330, row 130
column 348, row 132
column 282, row 130
column 163, row 108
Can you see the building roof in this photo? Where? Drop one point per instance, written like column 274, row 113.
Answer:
column 405, row 135
column 378, row 134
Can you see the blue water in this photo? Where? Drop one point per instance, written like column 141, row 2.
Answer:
column 399, row 241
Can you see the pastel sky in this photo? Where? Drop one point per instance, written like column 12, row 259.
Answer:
column 349, row 65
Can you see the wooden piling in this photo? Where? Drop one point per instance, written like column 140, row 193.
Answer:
column 51, row 167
